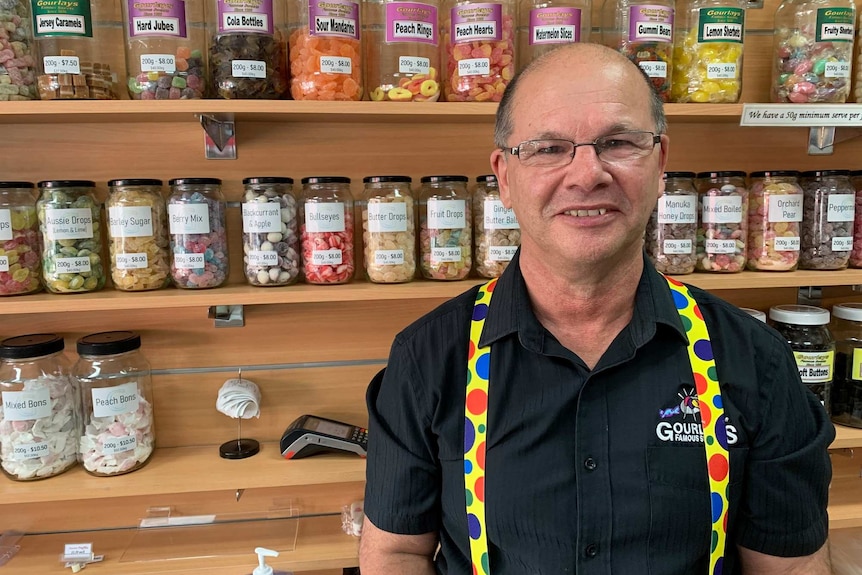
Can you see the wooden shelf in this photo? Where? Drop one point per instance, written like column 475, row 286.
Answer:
column 135, row 111
column 179, row 470
column 847, row 437
column 845, row 505
column 243, row 294
column 320, row 544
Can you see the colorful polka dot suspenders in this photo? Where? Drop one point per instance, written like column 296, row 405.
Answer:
column 708, row 400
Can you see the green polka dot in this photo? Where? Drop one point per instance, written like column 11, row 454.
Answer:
column 712, row 374
column 469, row 498
column 709, row 440
column 686, row 323
column 469, row 376
column 481, row 428
column 479, row 295
column 485, row 564
column 714, row 541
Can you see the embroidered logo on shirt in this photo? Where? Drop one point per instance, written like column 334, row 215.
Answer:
column 681, row 422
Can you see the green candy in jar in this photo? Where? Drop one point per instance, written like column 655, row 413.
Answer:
column 71, row 238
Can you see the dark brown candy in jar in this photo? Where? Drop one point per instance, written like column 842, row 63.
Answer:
column 827, row 220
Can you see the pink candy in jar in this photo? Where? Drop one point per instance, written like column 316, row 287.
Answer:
column 327, row 230
column 774, row 215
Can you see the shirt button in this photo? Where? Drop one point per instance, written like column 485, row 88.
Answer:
column 590, row 463
column 591, row 550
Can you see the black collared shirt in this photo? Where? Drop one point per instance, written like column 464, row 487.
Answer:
column 602, row 471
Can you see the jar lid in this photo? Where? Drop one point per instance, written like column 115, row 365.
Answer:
column 108, row 343
column 267, row 180
column 824, row 173
column 67, row 184
column 855, row 173
column 679, row 175
column 195, row 182
column 722, row 174
column 33, row 345
column 490, row 179
column 755, row 313
column 849, row 311
column 135, row 182
column 386, row 179
column 774, row 173
column 799, row 314
column 8, row 185
column 325, row 180
column 440, row 179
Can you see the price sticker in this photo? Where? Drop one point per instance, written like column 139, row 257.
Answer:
column 336, row 65
column 842, row 244
column 326, row 257
column 248, row 69
column 654, row 69
column 445, row 255
column 414, row 65
column 388, row 257
column 79, row 551
column 4, row 263
column 62, row 64
column 474, row 67
column 189, row 261
column 31, row 451
column 837, row 70
column 158, row 63
column 720, row 246
column 131, row 261
column 787, row 244
column 262, row 258
column 721, row 71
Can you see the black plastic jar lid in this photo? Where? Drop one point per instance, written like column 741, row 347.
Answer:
column 8, row 185
column 799, row 314
column 824, row 173
column 775, row 173
column 722, row 174
column 33, row 345
column 439, row 179
column 387, row 179
column 679, row 175
column 135, row 182
column 855, row 173
column 108, row 343
column 488, row 178
column 267, row 180
column 325, row 180
column 195, row 182
column 67, row 184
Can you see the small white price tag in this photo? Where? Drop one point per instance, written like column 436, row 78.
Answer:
column 721, row 71
column 388, row 257
column 474, row 67
column 78, row 551
column 842, row 244
column 654, row 69
column 414, row 65
column 787, row 244
column 61, row 65
column 326, row 257
column 445, row 255
column 131, row 261
column 158, row 63
column 189, row 261
column 336, row 65
column 677, row 247
column 248, row 69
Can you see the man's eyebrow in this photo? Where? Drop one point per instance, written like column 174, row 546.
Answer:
column 613, row 129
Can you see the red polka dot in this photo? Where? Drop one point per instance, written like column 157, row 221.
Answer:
column 725, row 522
column 479, row 489
column 697, row 312
column 472, row 350
column 673, row 281
column 477, row 401
column 718, row 467
column 480, row 455
column 474, row 570
column 705, row 414
column 492, row 285
column 699, row 384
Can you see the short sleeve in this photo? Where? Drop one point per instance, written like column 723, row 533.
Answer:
column 783, row 507
column 402, row 491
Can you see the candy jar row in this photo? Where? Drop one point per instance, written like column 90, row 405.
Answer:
column 715, row 222
column 97, row 412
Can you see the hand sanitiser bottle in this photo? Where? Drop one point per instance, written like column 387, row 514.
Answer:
column 262, row 568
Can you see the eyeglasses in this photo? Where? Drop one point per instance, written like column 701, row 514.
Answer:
column 613, row 148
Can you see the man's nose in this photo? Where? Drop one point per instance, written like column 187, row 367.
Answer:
column 586, row 169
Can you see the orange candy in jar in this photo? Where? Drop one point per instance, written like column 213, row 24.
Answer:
column 480, row 50
column 324, row 50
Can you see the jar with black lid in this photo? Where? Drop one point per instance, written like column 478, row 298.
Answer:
column 722, row 199
column 138, row 240
column 388, row 229
column 496, row 231
column 199, row 250
column 20, row 263
column 39, row 420
column 806, row 329
column 445, row 227
column 117, row 403
column 270, row 231
column 326, row 230
column 828, row 206
column 847, row 386
column 774, row 215
column 71, row 236
column 671, row 233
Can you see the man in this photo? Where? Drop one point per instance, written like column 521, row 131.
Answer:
column 595, row 457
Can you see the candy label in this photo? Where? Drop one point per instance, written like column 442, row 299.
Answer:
column 260, row 218
column 787, row 244
column 446, row 215
column 5, row 225
column 785, row 208
column 336, row 65
column 248, row 69
column 476, row 22
column 834, row 25
column 720, row 246
column 555, row 25
column 324, row 217
column 837, row 70
column 331, row 257
column 654, row 69
column 677, row 210
column 474, row 67
column 130, row 222
column 498, row 217
column 189, row 261
column 414, row 65
column 725, row 71
column 722, row 210
column 62, row 18
column 4, row 263
column 501, row 253
column 25, row 451
column 262, row 258
column 61, row 65
column 650, row 23
column 842, row 244
column 856, row 374
column 388, row 257
column 253, row 16
column 117, row 400
column 26, row 405
column 165, row 18
column 130, row 261
column 815, row 366
column 189, row 218
column 335, row 18
column 69, row 224
column 411, row 22
column 720, row 25
column 387, row 217
column 445, row 255
column 114, row 445
column 678, row 247
column 72, row 265
column 158, row 63
column 841, row 208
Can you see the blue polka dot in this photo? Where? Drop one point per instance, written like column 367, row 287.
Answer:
column 679, row 300
column 480, row 311
column 719, row 567
column 483, row 365
column 468, row 467
column 721, row 432
column 473, row 526
column 469, row 435
column 703, row 349
column 717, row 506
column 716, row 401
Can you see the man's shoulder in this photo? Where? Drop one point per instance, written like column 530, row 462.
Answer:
column 449, row 319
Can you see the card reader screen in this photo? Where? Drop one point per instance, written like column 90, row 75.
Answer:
column 327, row 427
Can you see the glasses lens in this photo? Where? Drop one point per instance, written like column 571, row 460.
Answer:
column 545, row 152
column 624, row 146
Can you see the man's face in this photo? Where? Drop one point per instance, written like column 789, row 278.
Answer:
column 589, row 211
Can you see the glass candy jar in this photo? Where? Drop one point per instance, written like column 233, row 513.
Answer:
column 17, row 52
column 829, row 205
column 671, row 233
column 445, row 227
column 774, row 215
column 20, row 268
column 846, row 397
column 326, row 230
column 388, row 229
column 270, row 231
column 496, row 232
column 723, row 231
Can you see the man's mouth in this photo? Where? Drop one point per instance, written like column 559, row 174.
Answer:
column 585, row 213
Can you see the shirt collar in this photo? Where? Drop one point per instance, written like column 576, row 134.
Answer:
column 511, row 311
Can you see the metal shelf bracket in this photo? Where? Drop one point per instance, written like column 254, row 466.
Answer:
column 219, row 136
column 227, row 315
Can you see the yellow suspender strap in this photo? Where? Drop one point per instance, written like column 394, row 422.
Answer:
column 708, row 401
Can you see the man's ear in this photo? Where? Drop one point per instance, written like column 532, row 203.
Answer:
column 500, row 166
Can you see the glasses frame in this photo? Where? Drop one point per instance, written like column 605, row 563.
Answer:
column 516, row 151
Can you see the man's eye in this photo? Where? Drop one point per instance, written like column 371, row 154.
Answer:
column 616, row 143
column 550, row 150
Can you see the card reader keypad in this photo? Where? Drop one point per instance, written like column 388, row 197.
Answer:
column 360, row 435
